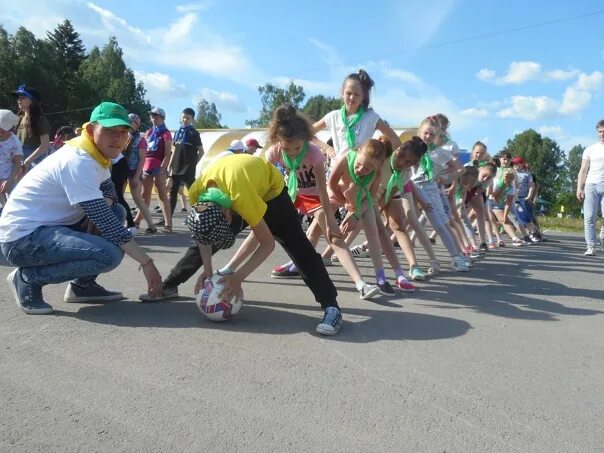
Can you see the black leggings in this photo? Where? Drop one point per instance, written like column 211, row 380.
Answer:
column 188, row 180
column 119, row 176
column 282, row 220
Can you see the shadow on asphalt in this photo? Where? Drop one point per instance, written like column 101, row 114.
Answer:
column 276, row 319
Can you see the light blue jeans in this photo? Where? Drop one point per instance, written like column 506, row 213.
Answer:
column 593, row 203
column 56, row 254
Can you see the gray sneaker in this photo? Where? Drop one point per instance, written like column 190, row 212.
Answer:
column 167, row 293
column 94, row 293
column 28, row 297
column 331, row 323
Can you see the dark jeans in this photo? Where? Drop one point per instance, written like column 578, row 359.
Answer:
column 188, row 179
column 282, row 219
column 119, row 176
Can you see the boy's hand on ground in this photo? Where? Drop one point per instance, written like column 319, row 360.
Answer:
column 154, row 280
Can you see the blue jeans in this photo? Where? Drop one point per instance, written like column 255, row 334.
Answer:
column 56, row 254
column 594, row 201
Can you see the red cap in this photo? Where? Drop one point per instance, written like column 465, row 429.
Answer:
column 252, row 142
column 518, row 161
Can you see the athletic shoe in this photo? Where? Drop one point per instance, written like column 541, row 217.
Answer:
column 386, row 289
column 405, row 285
column 590, row 252
column 331, row 322
column 432, row 240
column 157, row 208
column 358, row 251
column 519, row 242
column 459, row 264
column 483, row 248
column 368, row 291
column 133, row 230
column 28, row 297
column 501, row 243
column 166, row 293
column 91, row 294
column 415, row 273
column 528, row 240
column 534, row 239
column 284, row 272
column 467, row 261
column 434, row 268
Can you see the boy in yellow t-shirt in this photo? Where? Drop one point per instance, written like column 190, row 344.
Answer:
column 240, row 190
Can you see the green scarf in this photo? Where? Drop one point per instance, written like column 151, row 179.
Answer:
column 426, row 163
column 363, row 182
column 292, row 166
column 215, row 195
column 394, row 181
column 350, row 135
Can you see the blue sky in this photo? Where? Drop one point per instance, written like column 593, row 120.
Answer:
column 548, row 78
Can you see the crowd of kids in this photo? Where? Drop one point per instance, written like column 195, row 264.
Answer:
column 363, row 179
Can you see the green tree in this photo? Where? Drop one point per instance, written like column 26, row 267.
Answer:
column 317, row 107
column 272, row 96
column 546, row 160
column 67, row 47
column 103, row 76
column 207, row 116
column 573, row 165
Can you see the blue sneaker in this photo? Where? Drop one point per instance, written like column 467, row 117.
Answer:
column 331, row 323
column 28, row 297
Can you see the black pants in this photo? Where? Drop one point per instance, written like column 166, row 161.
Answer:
column 119, row 176
column 188, row 179
column 282, row 220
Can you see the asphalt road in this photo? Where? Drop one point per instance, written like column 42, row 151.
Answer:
column 506, row 358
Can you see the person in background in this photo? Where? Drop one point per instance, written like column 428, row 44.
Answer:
column 11, row 154
column 33, row 129
column 155, row 170
column 237, row 147
column 64, row 134
column 188, row 151
column 252, row 147
column 590, row 187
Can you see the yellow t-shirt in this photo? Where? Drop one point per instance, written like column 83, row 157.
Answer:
column 248, row 181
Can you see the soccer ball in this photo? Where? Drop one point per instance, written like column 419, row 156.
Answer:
column 214, row 307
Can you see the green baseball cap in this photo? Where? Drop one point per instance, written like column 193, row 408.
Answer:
column 110, row 114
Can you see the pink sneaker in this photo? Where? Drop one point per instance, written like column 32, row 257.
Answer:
column 405, row 285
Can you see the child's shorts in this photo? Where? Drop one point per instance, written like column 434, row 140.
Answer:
column 307, row 204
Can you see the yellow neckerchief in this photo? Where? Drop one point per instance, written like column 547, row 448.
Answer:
column 86, row 143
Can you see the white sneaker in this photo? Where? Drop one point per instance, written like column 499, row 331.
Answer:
column 459, row 264
column 466, row 260
column 358, row 251
column 590, row 252
column 133, row 230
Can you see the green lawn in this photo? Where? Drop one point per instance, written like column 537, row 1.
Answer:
column 555, row 224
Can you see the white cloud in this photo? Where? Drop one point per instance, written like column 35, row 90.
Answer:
column 326, row 88
column 474, row 112
column 564, row 139
column 111, row 20
column 530, row 108
column 193, row 7
column 223, row 100
column 486, row 74
column 578, row 96
column 520, row 72
column 160, row 86
column 209, row 53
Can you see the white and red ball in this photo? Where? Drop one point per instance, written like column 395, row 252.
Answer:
column 214, row 307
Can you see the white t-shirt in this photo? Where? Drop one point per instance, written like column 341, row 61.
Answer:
column 595, row 155
column 363, row 130
column 9, row 149
column 49, row 194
